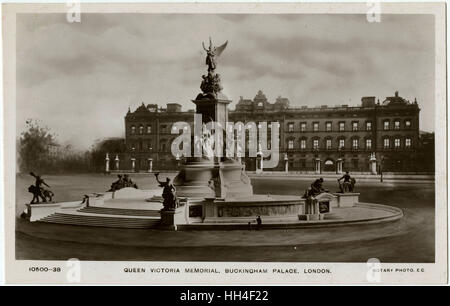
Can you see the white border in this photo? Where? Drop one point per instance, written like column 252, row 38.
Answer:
column 112, row 272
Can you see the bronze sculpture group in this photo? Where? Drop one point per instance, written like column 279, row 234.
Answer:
column 122, row 182
column 39, row 191
column 316, row 187
column 349, row 183
column 211, row 84
column 170, row 200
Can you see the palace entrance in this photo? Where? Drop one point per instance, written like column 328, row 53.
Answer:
column 329, row 166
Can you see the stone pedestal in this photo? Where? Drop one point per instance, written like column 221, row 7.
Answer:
column 203, row 178
column 170, row 218
column 348, row 199
column 217, row 177
column 312, row 212
column 259, row 164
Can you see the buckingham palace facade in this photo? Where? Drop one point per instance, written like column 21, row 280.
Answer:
column 312, row 139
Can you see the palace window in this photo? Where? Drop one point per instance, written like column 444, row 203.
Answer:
column 397, row 142
column 408, row 142
column 303, row 144
column 133, row 147
column 368, row 126
column 316, row 144
column 290, row 127
column 341, row 126
column 303, row 127
column 354, row 126
column 133, row 129
column 386, row 143
column 355, row 144
column 149, row 129
column 141, row 129
column 368, row 144
column 328, row 126
column 408, row 124
column 397, row 125
column 316, row 126
column 386, row 125
column 328, row 144
column 341, row 143
column 290, row 144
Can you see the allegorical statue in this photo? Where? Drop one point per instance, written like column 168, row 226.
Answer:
column 170, row 200
column 211, row 84
column 211, row 53
column 349, row 183
column 38, row 190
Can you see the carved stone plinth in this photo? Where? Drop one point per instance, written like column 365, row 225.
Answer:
column 216, row 177
column 170, row 218
column 203, row 178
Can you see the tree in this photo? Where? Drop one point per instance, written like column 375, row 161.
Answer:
column 112, row 146
column 34, row 147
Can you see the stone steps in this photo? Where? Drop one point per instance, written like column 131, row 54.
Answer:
column 120, row 211
column 101, row 221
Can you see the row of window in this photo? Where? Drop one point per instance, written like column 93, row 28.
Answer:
column 397, row 143
column 355, row 126
column 148, row 129
column 328, row 126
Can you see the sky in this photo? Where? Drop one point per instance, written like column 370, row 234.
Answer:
column 80, row 78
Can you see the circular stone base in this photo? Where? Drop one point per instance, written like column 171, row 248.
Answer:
column 362, row 213
column 363, row 222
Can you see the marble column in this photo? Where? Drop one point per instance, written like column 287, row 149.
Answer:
column 107, row 163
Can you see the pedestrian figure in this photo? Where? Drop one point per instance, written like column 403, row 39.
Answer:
column 258, row 222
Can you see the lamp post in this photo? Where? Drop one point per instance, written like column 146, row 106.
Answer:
column 286, row 163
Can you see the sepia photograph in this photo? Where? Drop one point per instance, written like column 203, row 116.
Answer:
column 225, row 141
